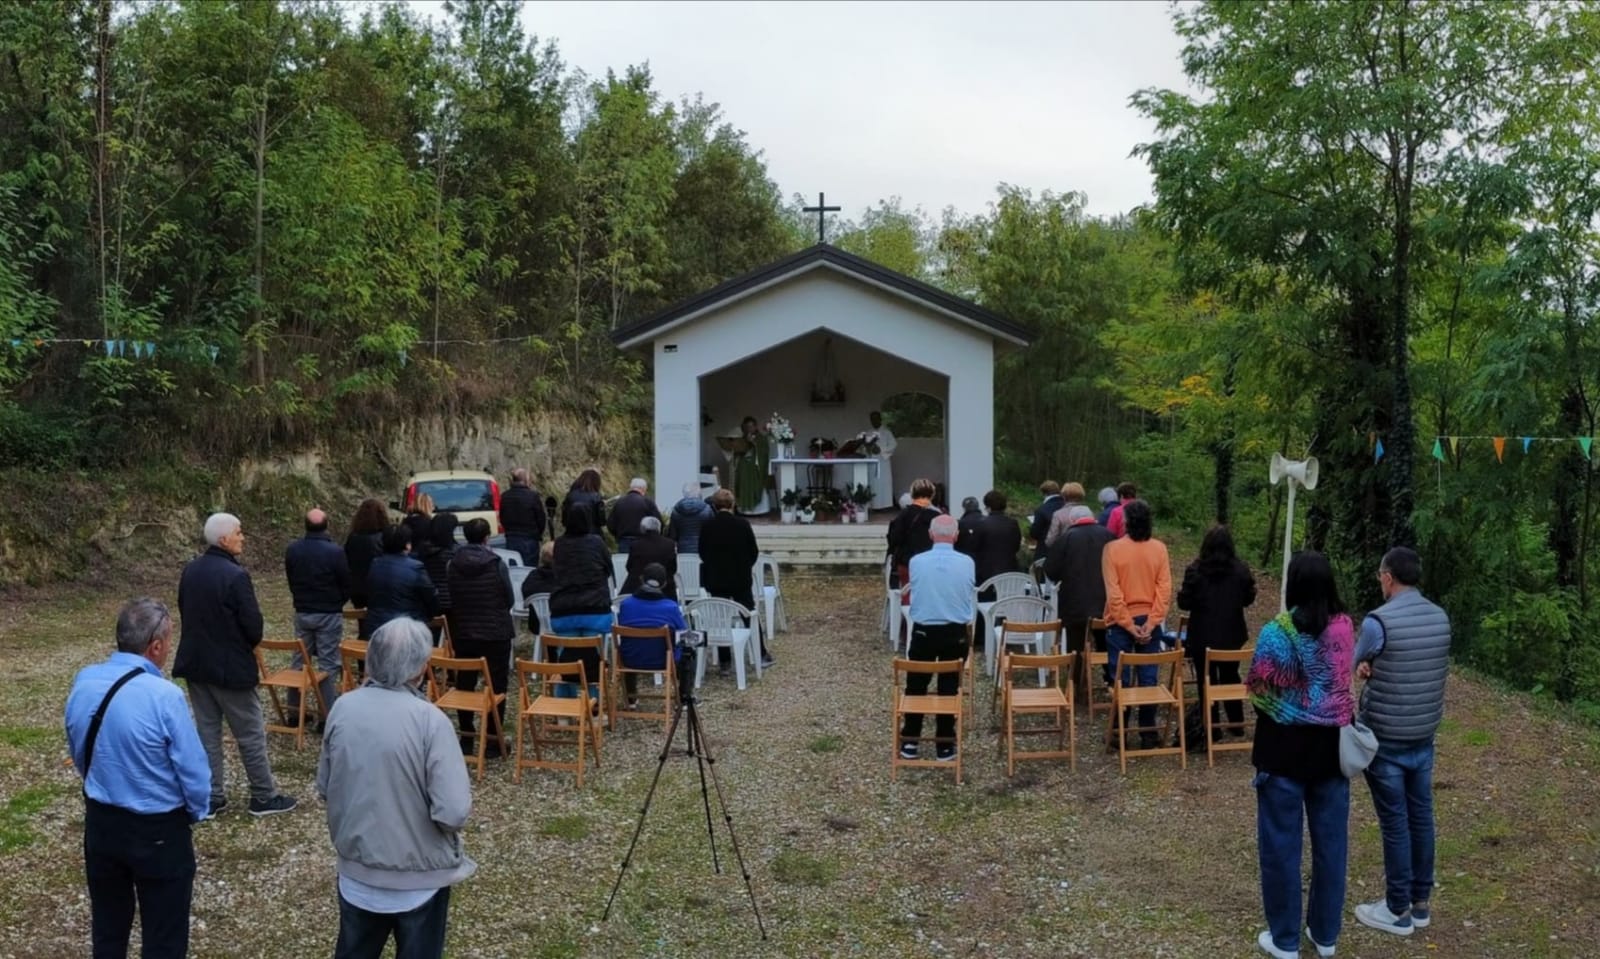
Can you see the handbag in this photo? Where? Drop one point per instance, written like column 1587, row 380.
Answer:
column 1357, row 745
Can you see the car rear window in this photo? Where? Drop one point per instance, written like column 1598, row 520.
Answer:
column 459, row 496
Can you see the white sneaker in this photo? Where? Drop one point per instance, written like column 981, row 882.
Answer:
column 1326, row 952
column 1267, row 946
column 1377, row 916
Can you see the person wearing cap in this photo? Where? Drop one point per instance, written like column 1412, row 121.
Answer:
column 628, row 512
column 647, row 607
column 688, row 515
column 651, row 549
column 1108, row 502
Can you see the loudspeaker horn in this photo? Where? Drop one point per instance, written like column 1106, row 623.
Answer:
column 1303, row 471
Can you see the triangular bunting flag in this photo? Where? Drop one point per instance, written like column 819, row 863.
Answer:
column 38, row 342
column 1372, row 439
column 138, row 348
column 1500, row 449
column 403, row 358
column 213, row 351
column 87, row 342
column 111, row 347
column 16, row 344
column 1585, row 442
column 1438, row 450
column 1377, row 451
column 1455, row 446
column 1526, row 441
column 150, row 350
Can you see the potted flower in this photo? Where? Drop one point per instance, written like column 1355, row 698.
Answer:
column 782, row 433
column 805, row 508
column 826, row 506
column 861, row 498
column 791, row 502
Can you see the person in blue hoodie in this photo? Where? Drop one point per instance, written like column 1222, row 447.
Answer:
column 647, row 607
column 688, row 515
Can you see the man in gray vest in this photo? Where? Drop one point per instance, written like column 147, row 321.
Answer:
column 1404, row 655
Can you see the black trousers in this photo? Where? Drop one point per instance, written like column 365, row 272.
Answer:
column 418, row 934
column 935, row 643
column 138, row 859
column 1075, row 629
column 499, row 655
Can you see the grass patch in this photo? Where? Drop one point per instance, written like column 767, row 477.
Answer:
column 19, row 810
column 1478, row 737
column 795, row 868
column 826, row 744
column 26, row 737
column 565, row 827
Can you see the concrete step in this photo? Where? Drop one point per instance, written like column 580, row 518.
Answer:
column 827, row 546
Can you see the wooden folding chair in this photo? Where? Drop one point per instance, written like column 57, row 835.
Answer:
column 1042, row 637
column 1053, row 698
column 1095, row 662
column 444, row 673
column 599, row 700
column 353, row 657
column 663, row 694
column 1212, row 694
column 353, row 615
column 304, row 679
column 538, row 710
column 1170, row 694
column 930, row 705
column 1191, row 678
column 446, row 648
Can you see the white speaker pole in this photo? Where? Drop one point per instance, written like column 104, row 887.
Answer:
column 1298, row 473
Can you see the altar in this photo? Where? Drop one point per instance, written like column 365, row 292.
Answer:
column 786, row 472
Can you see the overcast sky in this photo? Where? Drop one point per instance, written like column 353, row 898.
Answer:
column 933, row 102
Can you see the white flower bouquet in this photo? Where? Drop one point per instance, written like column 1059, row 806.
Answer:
column 780, row 429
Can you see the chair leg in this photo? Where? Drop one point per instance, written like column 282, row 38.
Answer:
column 1205, row 708
column 582, row 724
column 739, row 653
column 516, row 765
column 483, row 741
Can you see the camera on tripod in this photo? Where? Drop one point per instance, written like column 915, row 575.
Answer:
column 685, row 649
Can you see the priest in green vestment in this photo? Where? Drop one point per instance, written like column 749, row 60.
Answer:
column 750, row 466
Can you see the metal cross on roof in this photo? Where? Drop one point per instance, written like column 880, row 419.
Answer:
column 821, row 210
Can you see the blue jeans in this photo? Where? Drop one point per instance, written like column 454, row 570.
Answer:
column 1280, row 802
column 1119, row 641
column 418, row 934
column 1401, row 780
column 321, row 632
column 525, row 546
column 591, row 624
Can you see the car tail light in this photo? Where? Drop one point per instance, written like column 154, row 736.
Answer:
column 411, row 497
column 494, row 493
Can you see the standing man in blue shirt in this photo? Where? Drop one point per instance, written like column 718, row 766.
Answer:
column 942, row 594
column 145, row 779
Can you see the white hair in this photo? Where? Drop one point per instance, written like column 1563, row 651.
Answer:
column 219, row 525
column 637, row 483
column 691, row 489
column 943, row 529
column 398, row 651
column 649, row 525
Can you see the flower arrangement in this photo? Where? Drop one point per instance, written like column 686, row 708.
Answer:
column 780, row 429
column 861, row 495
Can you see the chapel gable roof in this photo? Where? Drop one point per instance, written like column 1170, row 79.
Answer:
column 825, row 256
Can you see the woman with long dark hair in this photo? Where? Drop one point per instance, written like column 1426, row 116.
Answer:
column 581, row 602
column 585, row 493
column 1300, row 686
column 362, row 545
column 1217, row 589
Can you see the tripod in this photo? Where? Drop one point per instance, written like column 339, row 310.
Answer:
column 695, row 745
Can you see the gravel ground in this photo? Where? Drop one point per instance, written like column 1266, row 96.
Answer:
column 1160, row 862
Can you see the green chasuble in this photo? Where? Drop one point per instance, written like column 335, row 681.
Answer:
column 750, row 472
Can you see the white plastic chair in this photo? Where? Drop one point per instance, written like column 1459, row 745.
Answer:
column 1005, row 585
column 891, row 606
column 619, row 572
column 519, row 575
column 727, row 625
column 1021, row 609
column 539, row 603
column 770, row 596
column 689, row 588
column 512, row 558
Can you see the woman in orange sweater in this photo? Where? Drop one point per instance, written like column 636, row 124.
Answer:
column 1138, row 590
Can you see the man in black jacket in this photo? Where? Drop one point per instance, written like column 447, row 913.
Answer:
column 628, row 511
column 523, row 517
column 221, row 627
column 967, row 526
column 1073, row 563
column 728, row 554
column 998, row 540
column 397, row 585
column 652, row 547
column 319, row 582
column 480, row 620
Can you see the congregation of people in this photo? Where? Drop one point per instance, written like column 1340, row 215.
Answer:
column 391, row 771
column 1301, row 678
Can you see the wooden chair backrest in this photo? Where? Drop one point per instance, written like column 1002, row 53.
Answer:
column 1171, row 658
column 549, row 640
column 928, row 666
column 1229, row 655
column 663, row 633
column 546, row 673
column 1058, row 663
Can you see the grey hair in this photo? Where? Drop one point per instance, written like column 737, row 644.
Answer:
column 140, row 621
column 398, row 651
column 1076, row 514
column 219, row 525
column 649, row 525
column 1107, row 496
column 944, row 527
column 637, row 483
column 691, row 489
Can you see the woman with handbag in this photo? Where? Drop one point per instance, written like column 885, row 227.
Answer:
column 1300, row 686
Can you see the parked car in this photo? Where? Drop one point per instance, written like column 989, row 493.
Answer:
column 470, row 494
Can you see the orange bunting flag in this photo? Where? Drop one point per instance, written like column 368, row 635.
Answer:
column 1500, row 448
